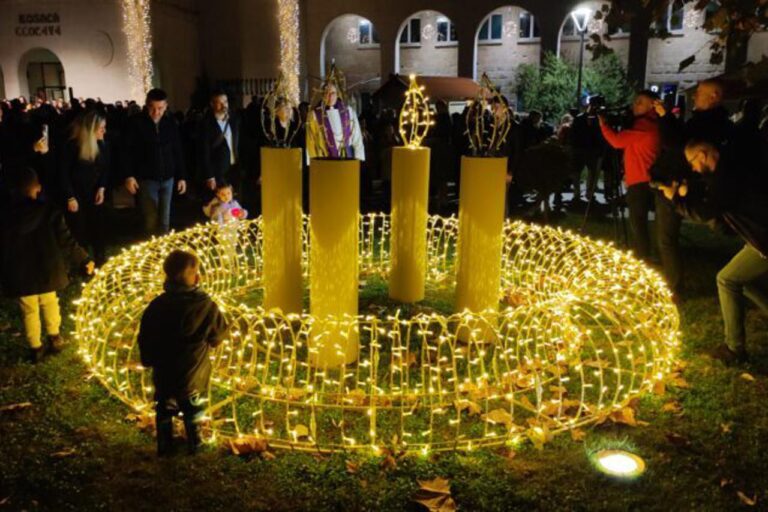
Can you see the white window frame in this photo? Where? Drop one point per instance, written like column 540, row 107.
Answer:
column 373, row 43
column 450, row 31
column 409, row 42
column 532, row 31
column 489, row 21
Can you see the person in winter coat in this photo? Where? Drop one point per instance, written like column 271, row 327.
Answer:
column 35, row 249
column 177, row 331
column 84, row 175
column 641, row 145
column 717, row 195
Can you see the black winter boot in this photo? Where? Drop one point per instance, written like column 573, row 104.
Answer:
column 193, row 436
column 164, row 437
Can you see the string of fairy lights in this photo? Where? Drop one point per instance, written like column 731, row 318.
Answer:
column 288, row 23
column 582, row 329
column 415, row 115
column 138, row 35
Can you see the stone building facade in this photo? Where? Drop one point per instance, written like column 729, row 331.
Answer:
column 79, row 44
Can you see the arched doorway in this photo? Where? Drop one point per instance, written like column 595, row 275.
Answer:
column 507, row 38
column 41, row 74
column 427, row 45
column 352, row 43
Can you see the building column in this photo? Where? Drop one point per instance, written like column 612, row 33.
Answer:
column 639, row 33
column 467, row 53
column 387, row 54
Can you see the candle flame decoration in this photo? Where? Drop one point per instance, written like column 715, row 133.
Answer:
column 278, row 98
column 488, row 120
column 415, row 116
column 585, row 328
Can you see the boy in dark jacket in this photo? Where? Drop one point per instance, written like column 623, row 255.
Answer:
column 177, row 330
column 36, row 247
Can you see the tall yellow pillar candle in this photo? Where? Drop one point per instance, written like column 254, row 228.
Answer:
column 334, row 205
column 481, row 222
column 410, row 194
column 281, row 221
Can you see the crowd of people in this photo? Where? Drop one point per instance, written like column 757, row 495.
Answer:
column 66, row 167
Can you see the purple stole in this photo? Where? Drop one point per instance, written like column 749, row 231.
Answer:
column 330, row 138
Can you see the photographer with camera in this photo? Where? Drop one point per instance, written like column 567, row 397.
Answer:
column 640, row 143
column 717, row 195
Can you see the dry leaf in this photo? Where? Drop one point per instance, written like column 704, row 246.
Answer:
column 659, row 387
column 725, row 428
column 747, row 376
column 725, row 481
column 625, row 415
column 751, row 502
column 539, row 436
column 499, row 416
column 267, row 455
column 15, row 407
column 300, row 431
column 64, row 453
column 678, row 440
column 471, row 407
column 248, row 444
column 674, row 407
column 389, row 462
column 578, row 435
column 435, row 495
column 352, row 467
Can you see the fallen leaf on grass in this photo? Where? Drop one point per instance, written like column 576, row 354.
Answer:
column 746, row 499
column 725, row 428
column 471, row 407
column 267, row 455
column 659, row 387
column 64, row 453
column 248, row 444
column 625, row 415
column 725, row 482
column 578, row 435
column 674, row 407
column 15, row 407
column 352, row 467
column 499, row 416
column 748, row 377
column 300, row 431
column 539, row 436
column 435, row 495
column 143, row 421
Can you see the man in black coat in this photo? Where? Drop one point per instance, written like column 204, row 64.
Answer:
column 178, row 329
column 152, row 159
column 719, row 196
column 218, row 144
column 36, row 249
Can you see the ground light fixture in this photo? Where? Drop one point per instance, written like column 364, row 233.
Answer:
column 619, row 463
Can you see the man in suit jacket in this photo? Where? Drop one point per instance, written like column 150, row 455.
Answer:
column 219, row 141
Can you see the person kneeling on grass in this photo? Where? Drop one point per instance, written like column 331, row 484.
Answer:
column 36, row 248
column 722, row 194
column 177, row 330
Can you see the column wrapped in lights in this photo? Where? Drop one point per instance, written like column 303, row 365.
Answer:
column 137, row 29
column 288, row 24
column 410, row 194
column 481, row 203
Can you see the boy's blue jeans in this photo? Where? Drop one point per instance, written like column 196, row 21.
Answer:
column 155, row 203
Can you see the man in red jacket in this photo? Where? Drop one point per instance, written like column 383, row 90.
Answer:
column 640, row 143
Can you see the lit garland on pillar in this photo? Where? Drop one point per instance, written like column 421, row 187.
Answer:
column 415, row 116
column 584, row 329
column 288, row 22
column 137, row 29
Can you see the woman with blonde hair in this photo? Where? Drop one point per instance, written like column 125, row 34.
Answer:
column 85, row 170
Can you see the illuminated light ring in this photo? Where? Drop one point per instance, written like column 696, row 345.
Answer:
column 584, row 329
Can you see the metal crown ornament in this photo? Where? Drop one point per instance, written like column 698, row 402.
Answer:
column 488, row 120
column 279, row 98
column 415, row 116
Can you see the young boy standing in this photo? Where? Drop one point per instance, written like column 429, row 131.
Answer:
column 177, row 330
column 36, row 250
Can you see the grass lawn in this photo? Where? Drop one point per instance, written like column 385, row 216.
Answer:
column 73, row 449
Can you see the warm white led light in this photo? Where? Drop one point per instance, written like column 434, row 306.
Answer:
column 620, row 463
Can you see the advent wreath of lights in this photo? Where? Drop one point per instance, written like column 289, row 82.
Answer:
column 582, row 329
